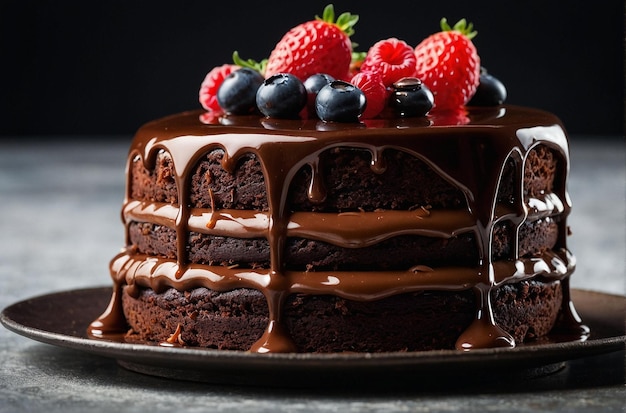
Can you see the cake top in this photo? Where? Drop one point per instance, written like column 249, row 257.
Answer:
column 315, row 72
column 197, row 122
column 505, row 127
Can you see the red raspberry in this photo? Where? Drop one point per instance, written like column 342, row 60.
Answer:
column 393, row 58
column 210, row 85
column 371, row 84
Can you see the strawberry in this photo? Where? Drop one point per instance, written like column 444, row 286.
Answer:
column 392, row 58
column 447, row 62
column 371, row 84
column 317, row 46
column 210, row 85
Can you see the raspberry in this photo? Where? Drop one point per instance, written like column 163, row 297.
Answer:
column 392, row 58
column 211, row 84
column 371, row 84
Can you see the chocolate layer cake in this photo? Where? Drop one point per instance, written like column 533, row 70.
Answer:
column 405, row 234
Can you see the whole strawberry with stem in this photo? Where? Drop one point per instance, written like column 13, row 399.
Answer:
column 318, row 46
column 448, row 63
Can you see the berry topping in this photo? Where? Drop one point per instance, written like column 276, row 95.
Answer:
column 237, row 93
column 281, row 96
column 313, row 84
column 308, row 71
column 210, row 85
column 448, row 63
column 317, row 46
column 340, row 101
column 316, row 82
column 490, row 91
column 371, row 84
column 392, row 58
column 249, row 63
column 411, row 98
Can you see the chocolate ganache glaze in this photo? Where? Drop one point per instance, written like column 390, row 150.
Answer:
column 469, row 152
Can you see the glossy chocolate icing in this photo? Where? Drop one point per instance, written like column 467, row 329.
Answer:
column 470, row 151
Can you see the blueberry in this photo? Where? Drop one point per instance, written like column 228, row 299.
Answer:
column 340, row 101
column 237, row 93
column 490, row 91
column 410, row 97
column 281, row 96
column 313, row 84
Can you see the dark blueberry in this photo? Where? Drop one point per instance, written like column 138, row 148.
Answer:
column 340, row 101
column 313, row 84
column 281, row 96
column 237, row 93
column 410, row 98
column 490, row 91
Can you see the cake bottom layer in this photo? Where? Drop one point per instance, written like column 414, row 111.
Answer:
column 235, row 320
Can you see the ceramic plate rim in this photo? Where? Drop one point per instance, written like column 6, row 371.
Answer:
column 137, row 355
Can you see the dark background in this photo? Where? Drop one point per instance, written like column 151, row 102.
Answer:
column 106, row 67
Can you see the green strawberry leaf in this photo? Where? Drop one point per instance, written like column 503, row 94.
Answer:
column 250, row 63
column 345, row 21
column 461, row 26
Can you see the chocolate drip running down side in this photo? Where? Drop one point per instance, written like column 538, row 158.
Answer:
column 470, row 157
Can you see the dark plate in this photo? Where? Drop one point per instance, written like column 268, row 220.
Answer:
column 62, row 318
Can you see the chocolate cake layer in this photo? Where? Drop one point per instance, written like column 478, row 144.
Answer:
column 235, row 320
column 404, row 183
column 400, row 252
